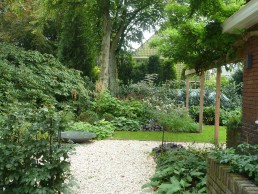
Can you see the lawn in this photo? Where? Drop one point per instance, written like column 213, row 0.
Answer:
column 207, row 136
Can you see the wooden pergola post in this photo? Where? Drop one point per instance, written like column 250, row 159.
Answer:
column 187, row 94
column 217, row 110
column 188, row 72
column 201, row 102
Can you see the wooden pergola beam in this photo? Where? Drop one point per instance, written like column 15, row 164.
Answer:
column 189, row 72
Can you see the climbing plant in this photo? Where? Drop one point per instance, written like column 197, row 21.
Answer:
column 193, row 34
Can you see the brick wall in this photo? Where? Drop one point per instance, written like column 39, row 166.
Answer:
column 249, row 132
column 220, row 181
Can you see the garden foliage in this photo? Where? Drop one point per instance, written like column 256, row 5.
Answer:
column 234, row 125
column 28, row 76
column 164, row 103
column 176, row 122
column 35, row 93
column 242, row 159
column 105, row 103
column 125, row 124
column 181, row 171
column 102, row 128
column 32, row 159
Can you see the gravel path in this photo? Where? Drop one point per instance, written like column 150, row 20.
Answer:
column 113, row 166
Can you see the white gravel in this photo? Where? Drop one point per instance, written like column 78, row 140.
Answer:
column 113, row 166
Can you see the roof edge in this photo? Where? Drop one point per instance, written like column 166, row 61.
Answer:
column 244, row 18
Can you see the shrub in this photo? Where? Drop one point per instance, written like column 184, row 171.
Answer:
column 209, row 114
column 169, row 70
column 106, row 104
column 89, row 116
column 176, row 123
column 234, row 125
column 108, row 116
column 38, row 78
column 140, row 90
column 124, row 124
column 234, row 121
column 154, row 67
column 134, row 109
column 103, row 129
column 146, row 90
column 174, row 118
column 32, row 159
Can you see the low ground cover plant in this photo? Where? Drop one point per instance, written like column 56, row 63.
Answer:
column 125, row 124
column 242, row 159
column 179, row 170
column 102, row 128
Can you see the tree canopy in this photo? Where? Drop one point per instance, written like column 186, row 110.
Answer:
column 193, row 34
column 92, row 36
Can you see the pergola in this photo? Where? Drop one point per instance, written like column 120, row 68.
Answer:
column 243, row 19
column 217, row 109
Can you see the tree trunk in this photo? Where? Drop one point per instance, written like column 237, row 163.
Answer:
column 113, row 74
column 103, row 83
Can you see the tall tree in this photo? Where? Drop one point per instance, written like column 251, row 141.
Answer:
column 78, row 40
column 18, row 25
column 123, row 21
column 69, row 27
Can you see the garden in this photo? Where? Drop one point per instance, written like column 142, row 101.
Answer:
column 40, row 101
column 53, row 81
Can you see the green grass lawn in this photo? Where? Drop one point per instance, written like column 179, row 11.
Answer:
column 207, row 136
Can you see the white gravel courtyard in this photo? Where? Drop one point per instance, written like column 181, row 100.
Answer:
column 113, row 166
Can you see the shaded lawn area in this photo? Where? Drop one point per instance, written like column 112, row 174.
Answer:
column 207, row 136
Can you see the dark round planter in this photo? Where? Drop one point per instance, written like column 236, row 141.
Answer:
column 77, row 136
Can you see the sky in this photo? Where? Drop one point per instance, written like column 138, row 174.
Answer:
column 146, row 35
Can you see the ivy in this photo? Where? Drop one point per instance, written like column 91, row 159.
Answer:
column 193, row 34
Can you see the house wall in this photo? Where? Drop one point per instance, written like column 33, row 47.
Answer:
column 249, row 132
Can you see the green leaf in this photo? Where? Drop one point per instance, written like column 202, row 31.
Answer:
column 169, row 188
column 196, row 174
